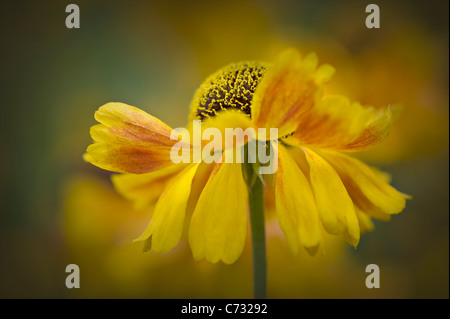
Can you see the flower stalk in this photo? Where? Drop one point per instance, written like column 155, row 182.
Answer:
column 255, row 189
column 256, row 206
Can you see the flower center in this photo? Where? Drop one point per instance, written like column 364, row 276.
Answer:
column 232, row 87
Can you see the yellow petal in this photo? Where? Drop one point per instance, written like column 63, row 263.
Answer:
column 374, row 133
column 127, row 159
column 336, row 123
column 335, row 206
column 295, row 206
column 229, row 122
column 166, row 225
column 198, row 183
column 365, row 223
column 367, row 188
column 324, row 73
column 144, row 189
column 332, row 123
column 132, row 124
column 129, row 140
column 288, row 90
column 219, row 223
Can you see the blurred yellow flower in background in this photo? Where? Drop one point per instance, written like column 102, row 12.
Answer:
column 99, row 228
column 99, row 225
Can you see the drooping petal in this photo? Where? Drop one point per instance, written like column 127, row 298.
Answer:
column 288, row 90
column 166, row 225
column 219, row 223
column 365, row 222
column 202, row 175
column 336, row 123
column 295, row 206
column 374, row 133
column 335, row 206
column 367, row 188
column 132, row 124
column 144, row 189
column 129, row 140
column 127, row 159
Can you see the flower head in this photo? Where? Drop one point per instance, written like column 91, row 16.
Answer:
column 232, row 87
column 317, row 186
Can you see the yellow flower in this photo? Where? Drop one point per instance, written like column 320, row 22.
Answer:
column 316, row 187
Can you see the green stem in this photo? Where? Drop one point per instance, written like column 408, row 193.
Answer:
column 256, row 204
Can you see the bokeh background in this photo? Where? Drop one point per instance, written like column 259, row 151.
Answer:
column 57, row 209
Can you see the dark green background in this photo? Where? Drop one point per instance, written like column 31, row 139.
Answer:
column 53, row 79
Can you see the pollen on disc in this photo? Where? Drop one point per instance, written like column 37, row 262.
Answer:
column 232, row 87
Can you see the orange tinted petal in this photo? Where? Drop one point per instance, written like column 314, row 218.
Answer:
column 332, row 122
column 129, row 140
column 375, row 132
column 127, row 159
column 288, row 90
column 336, row 123
column 133, row 125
